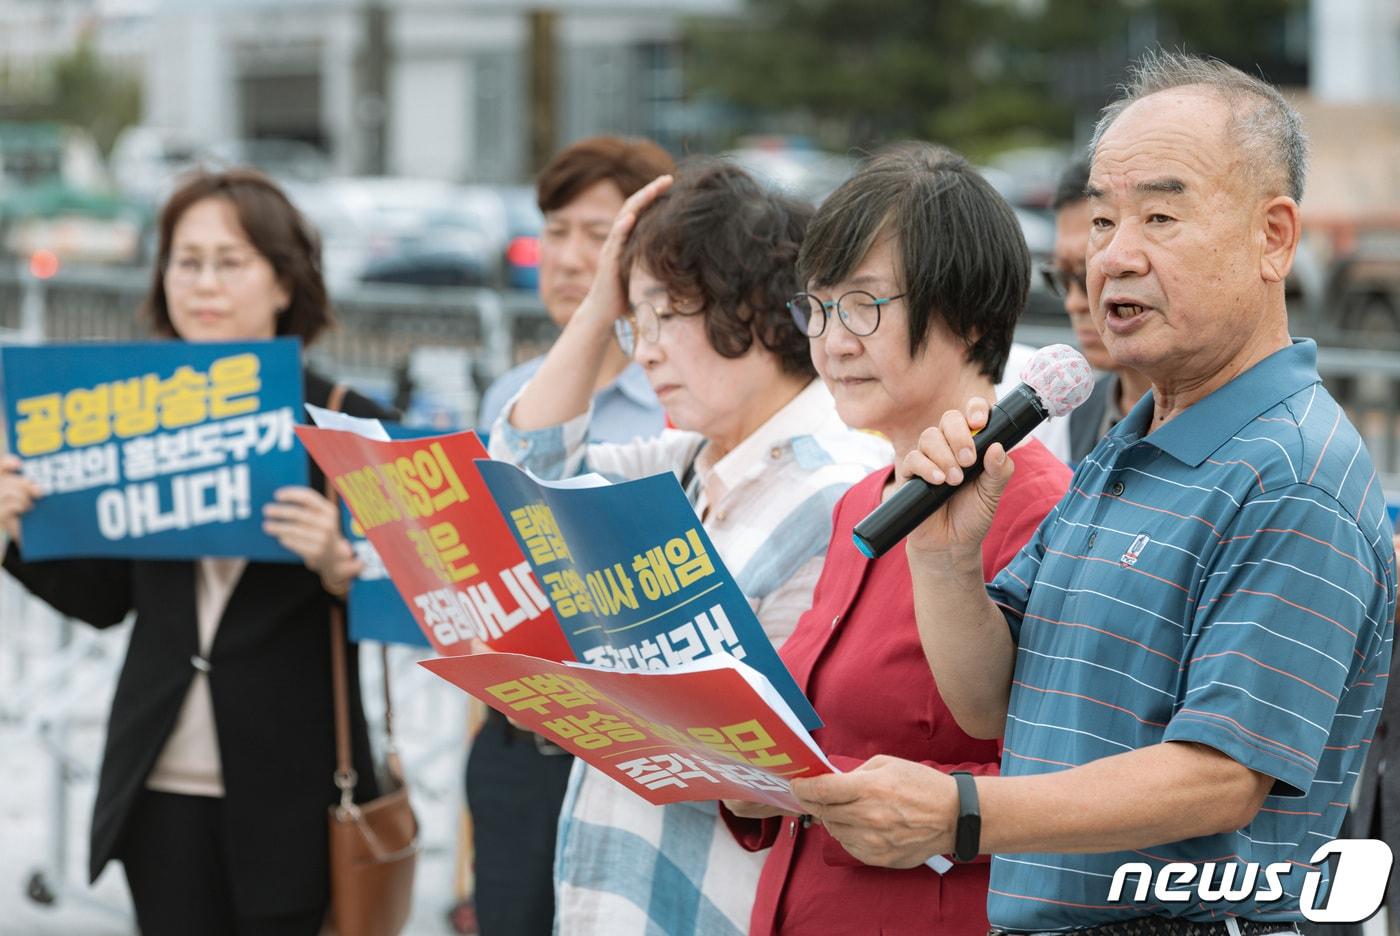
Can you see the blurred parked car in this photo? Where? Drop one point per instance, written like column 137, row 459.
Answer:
column 1038, row 227
column 447, row 253
column 793, row 167
column 55, row 197
column 1027, row 176
column 427, row 233
column 146, row 161
column 346, row 242
column 384, row 229
column 283, row 159
column 521, row 266
column 1306, row 287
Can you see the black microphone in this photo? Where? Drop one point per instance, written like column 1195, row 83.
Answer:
column 1054, row 381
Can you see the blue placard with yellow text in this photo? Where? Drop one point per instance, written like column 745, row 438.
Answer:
column 633, row 578
column 158, row 450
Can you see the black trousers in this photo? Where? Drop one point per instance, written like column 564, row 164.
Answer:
column 174, row 852
column 514, row 792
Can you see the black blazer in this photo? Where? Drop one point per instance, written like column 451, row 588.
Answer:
column 270, row 679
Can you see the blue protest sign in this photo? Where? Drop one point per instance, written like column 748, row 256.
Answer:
column 632, row 575
column 159, row 450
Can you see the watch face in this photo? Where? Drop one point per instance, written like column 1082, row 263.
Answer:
column 968, row 835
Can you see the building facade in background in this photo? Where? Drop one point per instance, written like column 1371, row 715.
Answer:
column 426, row 88
column 1355, row 51
column 442, row 88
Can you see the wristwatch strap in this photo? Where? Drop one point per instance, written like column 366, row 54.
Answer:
column 967, row 839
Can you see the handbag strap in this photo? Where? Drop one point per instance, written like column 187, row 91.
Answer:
column 336, row 400
column 388, row 697
column 345, row 776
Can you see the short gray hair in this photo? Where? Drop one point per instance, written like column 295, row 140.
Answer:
column 1268, row 129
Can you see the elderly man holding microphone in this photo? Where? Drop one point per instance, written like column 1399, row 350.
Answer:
column 1188, row 658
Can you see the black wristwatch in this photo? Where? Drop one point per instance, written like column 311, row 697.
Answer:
column 967, row 839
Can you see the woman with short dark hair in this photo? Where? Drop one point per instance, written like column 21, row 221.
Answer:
column 915, row 272
column 698, row 300
column 217, row 774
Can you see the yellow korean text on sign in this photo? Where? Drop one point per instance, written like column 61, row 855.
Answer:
column 137, row 406
column 540, row 531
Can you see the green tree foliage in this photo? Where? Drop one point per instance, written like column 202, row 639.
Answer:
column 976, row 74
column 80, row 90
column 89, row 94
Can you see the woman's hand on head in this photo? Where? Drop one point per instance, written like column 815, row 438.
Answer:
column 606, row 302
column 17, row 495
column 306, row 523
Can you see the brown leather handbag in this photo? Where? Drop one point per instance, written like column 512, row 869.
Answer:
column 374, row 845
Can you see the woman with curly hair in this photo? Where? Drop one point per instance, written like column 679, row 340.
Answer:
column 697, row 295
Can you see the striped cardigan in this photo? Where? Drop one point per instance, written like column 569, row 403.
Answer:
column 622, row 865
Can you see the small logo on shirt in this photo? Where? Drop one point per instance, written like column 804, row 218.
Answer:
column 1140, row 542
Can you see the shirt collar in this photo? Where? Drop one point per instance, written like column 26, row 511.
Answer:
column 1208, row 424
column 803, row 415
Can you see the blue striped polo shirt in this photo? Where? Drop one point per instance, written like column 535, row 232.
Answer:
column 1227, row 579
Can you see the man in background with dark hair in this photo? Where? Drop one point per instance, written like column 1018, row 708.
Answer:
column 515, row 778
column 1119, row 387
column 580, row 192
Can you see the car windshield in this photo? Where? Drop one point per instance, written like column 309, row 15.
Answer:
column 522, row 211
column 453, row 220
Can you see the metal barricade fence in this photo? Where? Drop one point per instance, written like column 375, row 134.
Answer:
column 377, row 327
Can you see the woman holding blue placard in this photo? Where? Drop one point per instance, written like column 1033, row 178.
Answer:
column 217, row 773
column 696, row 294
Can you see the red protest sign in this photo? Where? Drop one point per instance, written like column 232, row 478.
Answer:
column 669, row 736
column 423, row 505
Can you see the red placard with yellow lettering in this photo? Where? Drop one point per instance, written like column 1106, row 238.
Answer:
column 700, row 733
column 423, row 505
